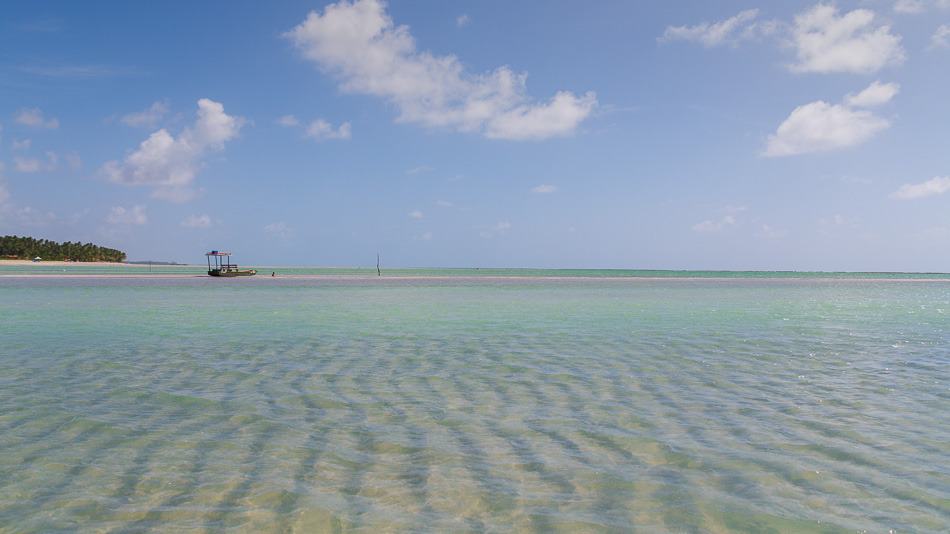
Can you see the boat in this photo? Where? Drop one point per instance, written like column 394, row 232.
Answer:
column 222, row 266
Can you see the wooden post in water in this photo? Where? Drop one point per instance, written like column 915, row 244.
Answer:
column 378, row 272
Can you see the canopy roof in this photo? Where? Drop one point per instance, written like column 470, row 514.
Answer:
column 217, row 253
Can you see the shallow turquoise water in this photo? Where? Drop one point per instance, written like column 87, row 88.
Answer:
column 79, row 268
column 452, row 405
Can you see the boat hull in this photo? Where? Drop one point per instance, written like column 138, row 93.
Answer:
column 231, row 274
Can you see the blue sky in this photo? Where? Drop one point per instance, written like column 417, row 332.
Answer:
column 684, row 135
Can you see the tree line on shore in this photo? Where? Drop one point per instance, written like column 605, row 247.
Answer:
column 27, row 248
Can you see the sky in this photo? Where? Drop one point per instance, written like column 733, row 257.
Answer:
column 561, row 134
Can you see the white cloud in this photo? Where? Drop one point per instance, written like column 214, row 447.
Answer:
column 820, row 126
column 941, row 37
column 279, row 229
column 462, row 20
column 710, row 34
column 34, row 117
column 419, row 169
column 147, row 118
column 544, row 188
column 359, row 43
column 168, row 164
column 502, row 226
column 21, row 144
column 197, row 221
column 31, row 165
column 27, row 164
column 909, row 6
column 122, row 216
column 828, row 42
column 416, row 214
column 712, row 226
column 934, row 186
column 321, row 130
column 288, row 121
column 534, row 122
column 444, row 203
column 915, row 7
column 876, row 94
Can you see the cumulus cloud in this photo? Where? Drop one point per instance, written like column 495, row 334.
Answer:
column 27, row 165
column 319, row 129
column 35, row 118
column 462, row 20
column 820, row 126
column 21, row 144
column 826, row 41
column 823, row 39
column 934, row 186
column 731, row 30
column 544, row 188
column 359, row 44
column 416, row 215
column 941, row 37
column 875, row 94
column 146, row 118
column 909, row 6
column 322, row 130
column 714, row 225
column 119, row 215
column 31, row 165
column 197, row 221
column 914, row 7
column 288, row 121
column 169, row 164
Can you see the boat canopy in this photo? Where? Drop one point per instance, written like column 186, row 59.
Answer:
column 217, row 253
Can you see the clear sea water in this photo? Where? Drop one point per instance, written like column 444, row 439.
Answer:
column 79, row 268
column 799, row 404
